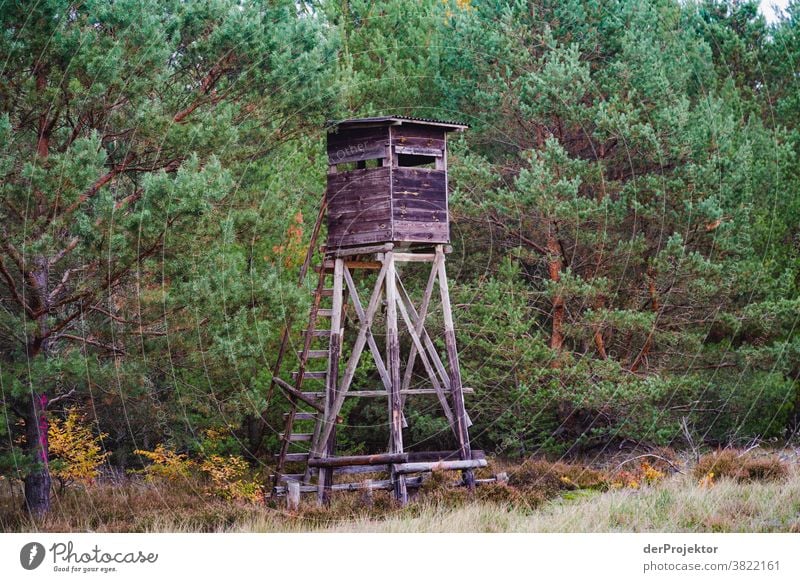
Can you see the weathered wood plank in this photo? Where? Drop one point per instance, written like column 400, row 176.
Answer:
column 327, row 443
column 296, row 457
column 393, row 358
column 418, row 180
column 414, row 257
column 461, row 465
column 360, row 469
column 349, row 461
column 355, row 265
column 455, row 371
column 350, row 239
column 377, row 211
column 302, row 415
column 315, row 375
column 314, row 353
column 418, row 216
column 288, row 388
column 433, row 456
column 422, row 231
column 317, row 332
column 418, row 150
column 293, row 495
column 355, row 141
column 409, row 130
column 360, row 250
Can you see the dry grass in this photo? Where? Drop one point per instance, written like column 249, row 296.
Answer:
column 747, row 494
column 741, row 466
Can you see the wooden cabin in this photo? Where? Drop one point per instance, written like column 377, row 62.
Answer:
column 387, row 181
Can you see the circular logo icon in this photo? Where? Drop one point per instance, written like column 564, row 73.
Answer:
column 31, row 555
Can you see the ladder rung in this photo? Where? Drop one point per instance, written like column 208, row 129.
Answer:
column 290, row 477
column 326, row 292
column 301, row 415
column 299, row 436
column 325, row 312
column 321, row 375
column 295, row 457
column 314, row 354
column 318, row 332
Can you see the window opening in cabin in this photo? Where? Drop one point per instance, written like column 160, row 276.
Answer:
column 416, row 161
column 359, row 165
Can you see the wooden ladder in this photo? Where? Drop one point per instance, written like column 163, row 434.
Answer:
column 306, row 406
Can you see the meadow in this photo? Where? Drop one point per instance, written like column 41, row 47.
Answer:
column 732, row 491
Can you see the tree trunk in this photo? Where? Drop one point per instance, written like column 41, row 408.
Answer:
column 599, row 341
column 655, row 306
column 554, row 266
column 37, row 483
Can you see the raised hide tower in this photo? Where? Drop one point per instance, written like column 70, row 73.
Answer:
column 387, row 181
column 386, row 207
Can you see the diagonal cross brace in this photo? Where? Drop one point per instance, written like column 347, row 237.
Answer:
column 413, row 330
column 364, row 336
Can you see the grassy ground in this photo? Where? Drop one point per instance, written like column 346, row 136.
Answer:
column 676, row 505
column 720, row 494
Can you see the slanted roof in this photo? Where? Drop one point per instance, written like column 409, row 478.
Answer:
column 397, row 120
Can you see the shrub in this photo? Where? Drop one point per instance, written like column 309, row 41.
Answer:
column 165, row 464
column 231, row 479
column 550, row 478
column 741, row 466
column 77, row 452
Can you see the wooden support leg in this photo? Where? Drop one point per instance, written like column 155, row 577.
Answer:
column 462, row 433
column 393, row 359
column 327, row 446
column 293, row 495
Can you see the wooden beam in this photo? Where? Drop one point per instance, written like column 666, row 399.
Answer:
column 462, row 433
column 463, row 465
column 367, row 250
column 414, row 257
column 293, row 495
column 327, row 444
column 349, row 461
column 393, row 357
column 328, row 265
column 429, row 456
column 289, row 389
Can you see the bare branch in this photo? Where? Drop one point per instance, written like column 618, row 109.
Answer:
column 61, row 397
column 91, row 341
column 12, row 286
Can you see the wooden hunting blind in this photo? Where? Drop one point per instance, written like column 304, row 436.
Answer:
column 386, row 206
column 387, row 181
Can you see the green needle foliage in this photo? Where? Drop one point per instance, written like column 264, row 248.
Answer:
column 624, row 211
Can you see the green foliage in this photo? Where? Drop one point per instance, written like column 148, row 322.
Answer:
column 624, row 213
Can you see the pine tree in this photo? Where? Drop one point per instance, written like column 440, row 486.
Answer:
column 123, row 125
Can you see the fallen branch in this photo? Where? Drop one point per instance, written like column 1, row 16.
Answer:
column 659, row 457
